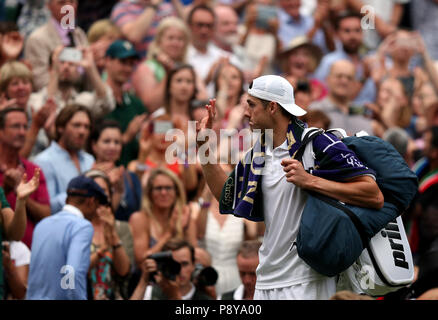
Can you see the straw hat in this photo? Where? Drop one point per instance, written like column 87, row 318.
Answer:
column 300, row 42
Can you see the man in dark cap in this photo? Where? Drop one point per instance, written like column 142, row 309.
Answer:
column 61, row 245
column 121, row 57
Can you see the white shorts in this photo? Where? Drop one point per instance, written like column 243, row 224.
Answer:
column 313, row 290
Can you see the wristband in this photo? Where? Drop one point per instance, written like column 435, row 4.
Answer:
column 118, row 245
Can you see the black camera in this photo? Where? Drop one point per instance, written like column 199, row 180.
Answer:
column 204, row 277
column 168, row 267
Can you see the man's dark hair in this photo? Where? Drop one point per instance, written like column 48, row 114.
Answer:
column 5, row 112
column 176, row 244
column 345, row 15
column 284, row 112
column 65, row 116
column 101, row 126
column 199, row 7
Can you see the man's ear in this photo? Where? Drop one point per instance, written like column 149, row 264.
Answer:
column 274, row 107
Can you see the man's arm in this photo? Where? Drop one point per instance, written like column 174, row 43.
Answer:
column 213, row 173
column 38, row 211
column 136, row 29
column 360, row 191
column 15, row 222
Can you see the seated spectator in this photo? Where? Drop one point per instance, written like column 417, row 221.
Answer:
column 109, row 258
column 400, row 140
column 138, row 20
column 65, row 158
column 247, row 262
column 16, row 84
column 303, row 94
column 164, row 215
column 13, row 224
column 350, row 34
column 425, row 226
column 182, row 287
column 11, row 42
column 392, row 108
column 261, row 40
column 130, row 112
column 316, row 118
column 100, row 36
column 106, row 143
column 298, row 61
column 203, row 54
column 153, row 150
column 338, row 105
column 400, row 47
column 294, row 23
column 180, row 92
column 228, row 38
column 65, row 85
column 64, row 89
column 16, row 260
column 387, row 16
column 222, row 235
column 13, row 131
column 60, row 257
column 229, row 85
column 44, row 40
column 167, row 51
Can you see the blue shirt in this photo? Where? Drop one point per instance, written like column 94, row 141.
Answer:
column 290, row 28
column 60, row 257
column 368, row 91
column 59, row 169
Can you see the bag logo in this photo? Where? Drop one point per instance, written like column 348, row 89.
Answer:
column 393, row 233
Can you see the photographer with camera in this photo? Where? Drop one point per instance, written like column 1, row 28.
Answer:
column 171, row 270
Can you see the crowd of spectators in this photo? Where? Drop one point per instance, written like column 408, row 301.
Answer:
column 94, row 95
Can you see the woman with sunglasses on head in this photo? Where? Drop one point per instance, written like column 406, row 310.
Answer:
column 109, row 258
column 106, row 144
column 164, row 215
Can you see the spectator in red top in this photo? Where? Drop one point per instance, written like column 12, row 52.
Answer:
column 13, row 129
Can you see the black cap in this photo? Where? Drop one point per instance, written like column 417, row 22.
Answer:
column 83, row 186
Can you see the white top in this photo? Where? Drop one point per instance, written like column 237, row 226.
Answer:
column 223, row 244
column 20, row 253
column 202, row 62
column 283, row 203
column 188, row 296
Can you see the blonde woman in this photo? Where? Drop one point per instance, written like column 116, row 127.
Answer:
column 16, row 85
column 164, row 215
column 167, row 49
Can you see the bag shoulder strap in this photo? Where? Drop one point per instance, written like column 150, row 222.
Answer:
column 309, row 136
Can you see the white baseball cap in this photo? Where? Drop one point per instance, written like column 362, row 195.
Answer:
column 277, row 89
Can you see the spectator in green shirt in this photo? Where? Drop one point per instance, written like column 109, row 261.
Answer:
column 130, row 112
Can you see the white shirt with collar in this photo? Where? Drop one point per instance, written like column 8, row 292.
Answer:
column 73, row 210
column 283, row 203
